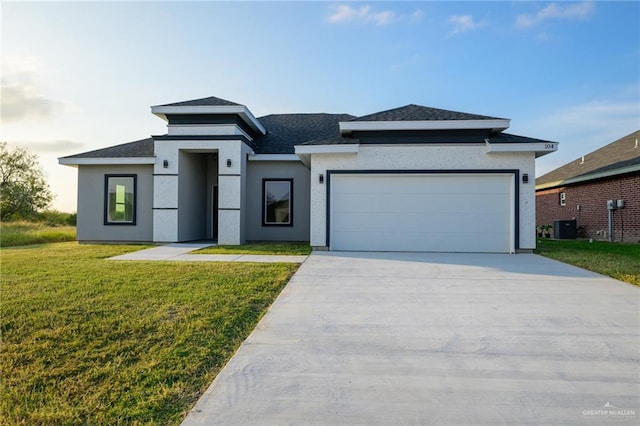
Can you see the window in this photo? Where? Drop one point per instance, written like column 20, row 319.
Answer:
column 277, row 197
column 563, row 198
column 120, row 200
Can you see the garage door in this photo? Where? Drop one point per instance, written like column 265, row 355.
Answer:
column 422, row 212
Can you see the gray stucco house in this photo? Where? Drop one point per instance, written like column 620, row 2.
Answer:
column 412, row 178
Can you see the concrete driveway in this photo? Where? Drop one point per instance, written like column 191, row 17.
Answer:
column 434, row 338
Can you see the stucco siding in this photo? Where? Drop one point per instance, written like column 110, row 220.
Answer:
column 426, row 157
column 258, row 170
column 91, row 205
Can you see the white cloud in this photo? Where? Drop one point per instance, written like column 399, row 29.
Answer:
column 464, row 23
column 416, row 16
column 556, row 11
column 344, row 13
column 20, row 92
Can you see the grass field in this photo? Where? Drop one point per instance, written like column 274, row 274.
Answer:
column 620, row 261
column 21, row 233
column 92, row 341
column 259, row 248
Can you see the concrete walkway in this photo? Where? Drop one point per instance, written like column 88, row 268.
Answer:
column 180, row 252
column 438, row 339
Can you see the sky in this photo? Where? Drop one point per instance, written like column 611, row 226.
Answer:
column 78, row 76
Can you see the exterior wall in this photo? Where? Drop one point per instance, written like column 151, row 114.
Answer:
column 423, row 157
column 258, row 170
column 91, row 205
column 192, row 197
column 166, row 202
column 593, row 216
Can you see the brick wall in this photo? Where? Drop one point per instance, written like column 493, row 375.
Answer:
column 593, row 214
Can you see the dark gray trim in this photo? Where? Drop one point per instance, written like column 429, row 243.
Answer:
column 222, row 174
column 516, row 196
column 212, row 119
column 164, row 208
column 105, row 207
column 264, row 205
column 226, row 208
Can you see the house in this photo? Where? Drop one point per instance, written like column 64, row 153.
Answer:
column 412, row 178
column 600, row 191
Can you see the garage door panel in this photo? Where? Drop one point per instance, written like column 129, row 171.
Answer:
column 416, row 222
column 420, row 241
column 442, row 184
column 422, row 212
column 391, row 202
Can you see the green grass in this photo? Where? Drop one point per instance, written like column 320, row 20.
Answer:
column 286, row 248
column 92, row 341
column 21, row 233
column 620, row 261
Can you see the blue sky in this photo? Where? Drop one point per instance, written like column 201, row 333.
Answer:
column 81, row 76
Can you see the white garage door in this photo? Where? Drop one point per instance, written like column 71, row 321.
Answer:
column 422, row 212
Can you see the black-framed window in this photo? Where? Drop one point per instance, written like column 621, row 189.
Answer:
column 562, row 198
column 120, row 199
column 277, row 202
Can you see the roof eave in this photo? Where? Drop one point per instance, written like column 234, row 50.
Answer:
column 351, row 148
column 540, row 148
column 497, row 125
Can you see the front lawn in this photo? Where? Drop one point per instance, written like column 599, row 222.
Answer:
column 284, row 248
column 92, row 341
column 617, row 260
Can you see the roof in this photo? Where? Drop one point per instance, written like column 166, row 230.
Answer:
column 331, row 140
column 508, row 138
column 210, row 101
column 286, row 130
column 413, row 112
column 139, row 148
column 618, row 155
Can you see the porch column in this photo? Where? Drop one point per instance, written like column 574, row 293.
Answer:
column 230, row 193
column 165, row 194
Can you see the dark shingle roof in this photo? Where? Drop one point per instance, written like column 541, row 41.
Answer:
column 140, row 148
column 210, row 101
column 286, row 130
column 421, row 113
column 617, row 154
column 331, row 140
column 508, row 138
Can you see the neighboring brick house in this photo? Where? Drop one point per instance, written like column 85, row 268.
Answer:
column 581, row 189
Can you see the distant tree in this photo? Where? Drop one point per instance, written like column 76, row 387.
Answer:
column 23, row 188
